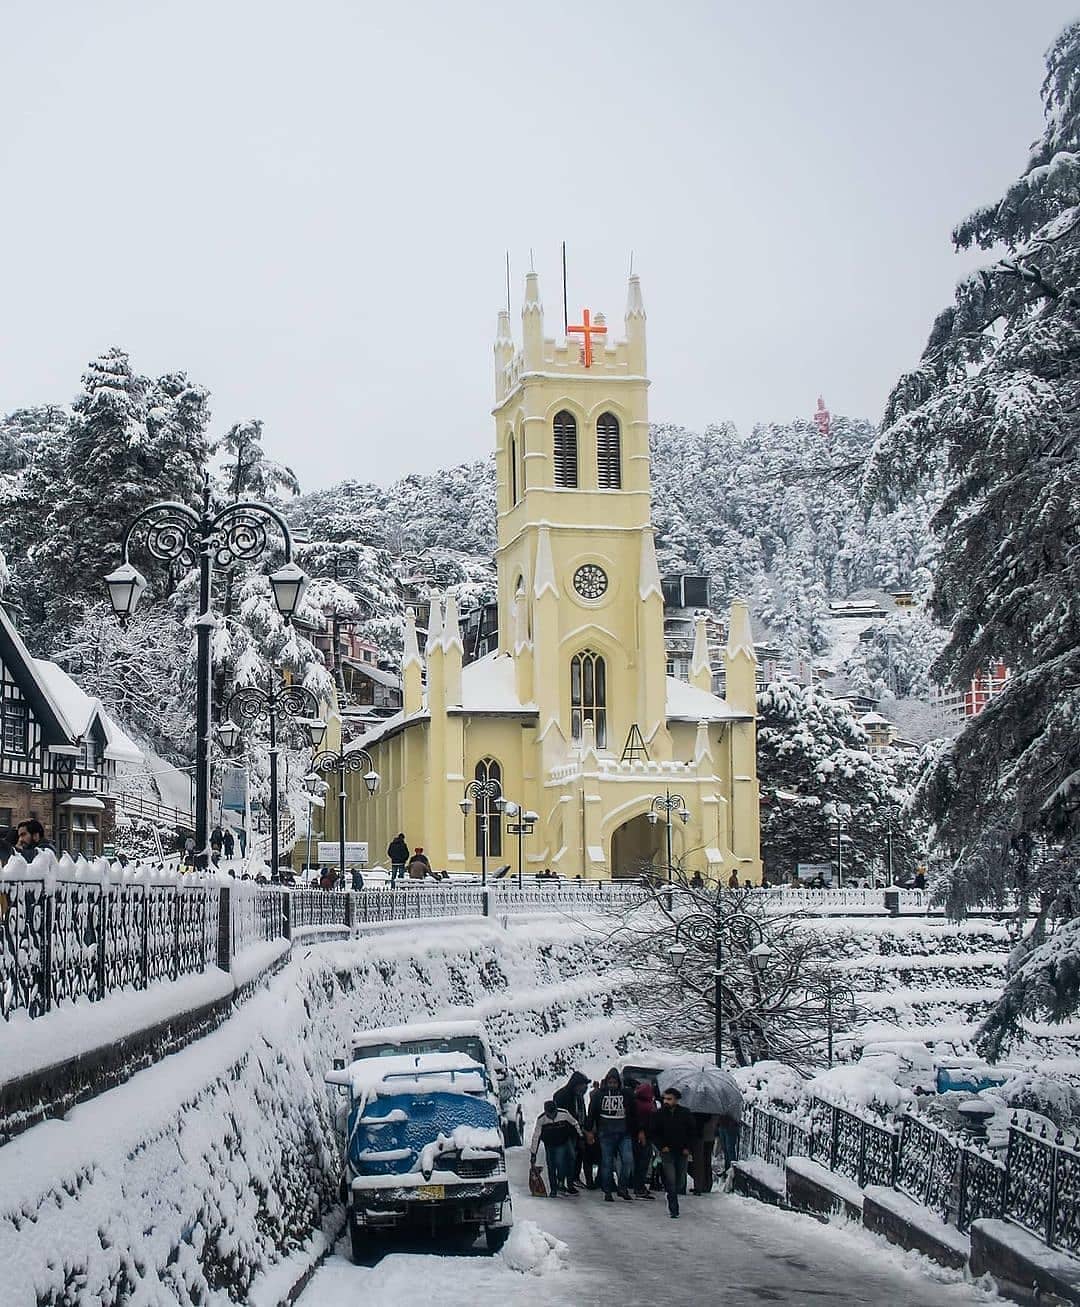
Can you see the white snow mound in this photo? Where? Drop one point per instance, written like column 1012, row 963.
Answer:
column 533, row 1251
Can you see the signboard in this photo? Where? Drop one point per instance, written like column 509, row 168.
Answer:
column 234, row 789
column 356, row 852
column 807, row 871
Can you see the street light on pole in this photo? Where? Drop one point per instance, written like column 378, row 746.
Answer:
column 667, row 803
column 342, row 762
column 524, row 825
column 293, row 704
column 482, row 795
column 173, row 532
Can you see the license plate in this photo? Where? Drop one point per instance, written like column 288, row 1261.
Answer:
column 430, row 1191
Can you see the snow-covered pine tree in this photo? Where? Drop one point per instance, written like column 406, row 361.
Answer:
column 993, row 405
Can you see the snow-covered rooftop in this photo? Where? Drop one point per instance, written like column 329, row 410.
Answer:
column 686, row 703
column 78, row 710
column 411, row 1073
column 420, row 1030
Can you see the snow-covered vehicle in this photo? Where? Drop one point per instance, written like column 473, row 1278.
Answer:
column 469, row 1037
column 423, row 1149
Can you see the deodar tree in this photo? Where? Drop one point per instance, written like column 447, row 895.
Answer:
column 994, row 406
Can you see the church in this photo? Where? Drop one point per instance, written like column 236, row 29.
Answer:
column 573, row 719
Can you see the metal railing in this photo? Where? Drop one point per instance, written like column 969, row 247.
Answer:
column 1036, row 1185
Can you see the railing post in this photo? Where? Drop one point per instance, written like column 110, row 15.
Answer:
column 224, row 948
column 485, row 898
column 103, row 917
column 145, row 940
column 286, row 913
column 350, row 913
column 174, row 969
column 834, row 1141
column 1051, row 1206
column 49, row 909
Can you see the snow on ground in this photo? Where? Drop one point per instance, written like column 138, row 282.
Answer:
column 723, row 1250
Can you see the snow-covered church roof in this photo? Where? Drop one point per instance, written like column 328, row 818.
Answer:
column 489, row 689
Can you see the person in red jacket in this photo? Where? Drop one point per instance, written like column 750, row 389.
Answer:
column 644, row 1111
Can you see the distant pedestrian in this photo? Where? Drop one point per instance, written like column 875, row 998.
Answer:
column 228, row 842
column 571, row 1098
column 557, row 1130
column 733, row 880
column 328, row 879
column 696, row 881
column 398, row 853
column 357, row 879
column 920, row 877
column 610, row 1120
column 644, row 1111
column 419, row 865
column 217, row 841
column 728, row 1130
column 673, row 1134
column 704, row 1142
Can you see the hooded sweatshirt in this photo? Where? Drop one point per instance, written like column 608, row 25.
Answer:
column 571, row 1097
column 611, row 1110
column 644, row 1107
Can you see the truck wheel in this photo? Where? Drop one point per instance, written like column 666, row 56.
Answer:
column 363, row 1246
column 496, row 1236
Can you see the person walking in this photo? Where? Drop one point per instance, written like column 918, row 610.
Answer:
column 702, row 1151
column 398, row 853
column 557, row 1130
column 673, row 1134
column 571, row 1098
column 419, row 866
column 644, row 1111
column 610, row 1120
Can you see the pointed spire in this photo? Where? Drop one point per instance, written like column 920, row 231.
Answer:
column 588, row 742
column 532, row 322
column 451, row 637
column 649, row 570
column 700, row 667
column 635, row 305
column 544, row 572
column 740, row 637
column 702, row 749
column 503, row 337
column 521, row 623
column 411, row 649
column 435, row 629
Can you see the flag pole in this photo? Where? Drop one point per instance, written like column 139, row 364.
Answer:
column 507, row 283
column 565, row 319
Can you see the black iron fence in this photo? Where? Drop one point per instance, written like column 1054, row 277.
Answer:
column 1035, row 1185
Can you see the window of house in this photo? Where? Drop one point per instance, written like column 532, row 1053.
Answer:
column 588, row 695
column 487, row 769
column 16, row 726
column 79, row 833
column 608, row 453
column 565, row 448
column 88, row 754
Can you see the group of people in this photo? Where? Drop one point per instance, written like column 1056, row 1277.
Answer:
column 415, row 865
column 624, row 1136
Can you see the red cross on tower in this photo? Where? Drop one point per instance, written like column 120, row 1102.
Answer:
column 588, row 330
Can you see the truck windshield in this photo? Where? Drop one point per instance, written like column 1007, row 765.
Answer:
column 470, row 1045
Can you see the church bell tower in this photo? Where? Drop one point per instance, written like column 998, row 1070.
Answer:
column 580, row 603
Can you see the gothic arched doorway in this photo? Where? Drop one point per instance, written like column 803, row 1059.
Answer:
column 636, row 848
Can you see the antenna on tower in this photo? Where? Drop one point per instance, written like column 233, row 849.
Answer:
column 565, row 318
column 507, row 283
column 631, row 263
column 532, row 265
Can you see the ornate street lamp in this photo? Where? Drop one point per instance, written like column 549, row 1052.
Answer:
column 177, row 533
column 351, row 760
column 293, row 704
column 485, row 794
column 524, row 825
column 667, row 803
column 705, row 928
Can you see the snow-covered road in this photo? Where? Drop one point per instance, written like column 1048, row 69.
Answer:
column 724, row 1250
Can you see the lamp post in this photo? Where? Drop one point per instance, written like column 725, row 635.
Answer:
column 667, row 803
column 293, row 703
column 829, row 989
column 343, row 762
column 841, row 840
column 699, row 925
column 176, row 533
column 525, row 825
column 483, row 794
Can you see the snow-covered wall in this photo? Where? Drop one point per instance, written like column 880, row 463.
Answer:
column 193, row 1181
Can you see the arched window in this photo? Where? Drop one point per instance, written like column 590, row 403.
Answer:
column 588, row 694
column 487, row 769
column 512, row 453
column 608, row 453
column 565, row 448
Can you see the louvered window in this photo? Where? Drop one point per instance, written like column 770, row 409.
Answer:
column 608, row 453
column 588, row 695
column 565, row 432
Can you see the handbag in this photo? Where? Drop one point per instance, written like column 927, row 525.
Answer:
column 537, row 1187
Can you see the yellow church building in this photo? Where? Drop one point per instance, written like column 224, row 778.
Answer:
column 574, row 716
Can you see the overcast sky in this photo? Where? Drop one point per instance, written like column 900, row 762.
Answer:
column 306, row 206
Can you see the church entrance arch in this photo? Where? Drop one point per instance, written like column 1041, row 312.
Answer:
column 636, row 847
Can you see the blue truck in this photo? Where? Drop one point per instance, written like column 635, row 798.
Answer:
column 423, row 1150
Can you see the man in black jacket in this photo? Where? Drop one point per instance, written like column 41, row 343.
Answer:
column 611, row 1121
column 571, row 1098
column 673, row 1132
column 398, row 853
